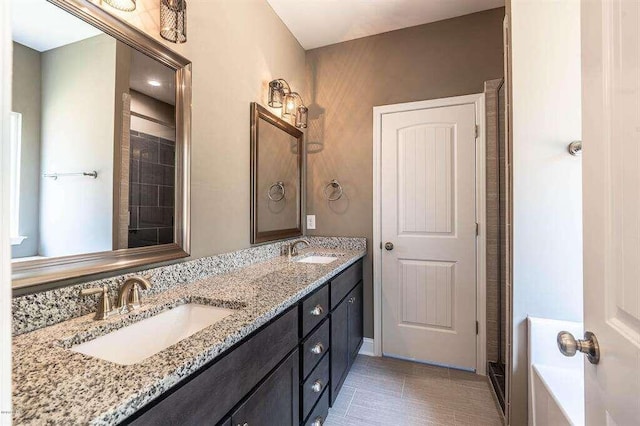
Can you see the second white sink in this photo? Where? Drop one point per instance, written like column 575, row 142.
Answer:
column 318, row 259
column 136, row 342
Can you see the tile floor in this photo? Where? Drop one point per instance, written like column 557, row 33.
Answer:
column 386, row 391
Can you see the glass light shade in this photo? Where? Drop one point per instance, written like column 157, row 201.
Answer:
column 125, row 5
column 275, row 94
column 301, row 117
column 289, row 105
column 173, row 20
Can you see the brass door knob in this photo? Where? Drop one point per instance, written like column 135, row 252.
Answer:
column 388, row 246
column 569, row 345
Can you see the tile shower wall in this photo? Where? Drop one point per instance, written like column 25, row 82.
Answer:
column 494, row 293
column 151, row 190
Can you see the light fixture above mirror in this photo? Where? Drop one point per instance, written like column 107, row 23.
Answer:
column 173, row 20
column 124, row 5
column 281, row 96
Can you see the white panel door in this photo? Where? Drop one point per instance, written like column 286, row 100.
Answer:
column 428, row 213
column 611, row 207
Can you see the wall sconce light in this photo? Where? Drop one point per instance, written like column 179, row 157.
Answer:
column 124, row 5
column 173, row 20
column 281, row 96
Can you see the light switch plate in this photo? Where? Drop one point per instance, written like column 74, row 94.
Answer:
column 311, row 221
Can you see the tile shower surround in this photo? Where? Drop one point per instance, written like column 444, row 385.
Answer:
column 151, row 190
column 38, row 310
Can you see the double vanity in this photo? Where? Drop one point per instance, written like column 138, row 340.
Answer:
column 260, row 336
column 264, row 344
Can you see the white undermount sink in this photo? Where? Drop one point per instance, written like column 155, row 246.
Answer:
column 133, row 343
column 317, row 259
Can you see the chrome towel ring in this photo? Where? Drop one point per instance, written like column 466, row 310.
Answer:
column 276, row 195
column 335, row 188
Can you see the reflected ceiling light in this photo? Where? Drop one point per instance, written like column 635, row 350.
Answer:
column 125, row 5
column 154, row 83
column 281, row 96
column 173, row 20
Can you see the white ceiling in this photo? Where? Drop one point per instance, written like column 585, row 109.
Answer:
column 317, row 23
column 145, row 69
column 42, row 26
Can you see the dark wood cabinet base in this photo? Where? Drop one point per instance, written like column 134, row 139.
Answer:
column 285, row 374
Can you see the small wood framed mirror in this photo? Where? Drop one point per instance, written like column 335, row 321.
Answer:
column 276, row 177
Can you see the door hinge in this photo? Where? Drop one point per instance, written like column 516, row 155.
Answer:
column 477, row 131
column 477, row 229
column 477, row 328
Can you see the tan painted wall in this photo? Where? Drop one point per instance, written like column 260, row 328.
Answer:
column 345, row 81
column 236, row 48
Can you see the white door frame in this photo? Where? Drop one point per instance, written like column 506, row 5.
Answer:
column 481, row 273
column 5, row 247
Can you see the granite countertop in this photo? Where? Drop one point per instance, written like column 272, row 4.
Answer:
column 53, row 385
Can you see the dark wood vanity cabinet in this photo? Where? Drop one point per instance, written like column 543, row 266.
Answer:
column 276, row 401
column 286, row 373
column 346, row 337
column 355, row 321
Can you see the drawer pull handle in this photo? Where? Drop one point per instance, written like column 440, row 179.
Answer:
column 317, row 311
column 317, row 348
column 318, row 421
column 352, row 300
column 317, row 386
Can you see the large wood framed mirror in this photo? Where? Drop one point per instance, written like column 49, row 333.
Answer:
column 276, row 177
column 100, row 141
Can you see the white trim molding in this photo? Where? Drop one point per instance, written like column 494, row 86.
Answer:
column 367, row 347
column 478, row 101
column 5, row 247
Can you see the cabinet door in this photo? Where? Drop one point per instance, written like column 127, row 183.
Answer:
column 276, row 401
column 354, row 300
column 339, row 347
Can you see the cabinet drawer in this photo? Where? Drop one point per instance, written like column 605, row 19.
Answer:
column 343, row 283
column 319, row 414
column 208, row 395
column 314, row 309
column 315, row 384
column 314, row 348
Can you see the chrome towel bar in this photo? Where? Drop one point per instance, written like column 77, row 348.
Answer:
column 55, row 176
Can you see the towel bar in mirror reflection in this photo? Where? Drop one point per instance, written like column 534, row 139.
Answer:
column 55, row 176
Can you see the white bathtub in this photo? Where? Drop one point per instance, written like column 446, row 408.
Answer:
column 556, row 382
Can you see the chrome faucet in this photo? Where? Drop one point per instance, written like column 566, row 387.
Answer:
column 129, row 293
column 292, row 248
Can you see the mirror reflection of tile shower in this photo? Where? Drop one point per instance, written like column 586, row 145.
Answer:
column 497, row 362
column 152, row 154
column 151, row 190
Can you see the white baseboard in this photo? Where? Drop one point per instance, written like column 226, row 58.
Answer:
column 367, row 347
